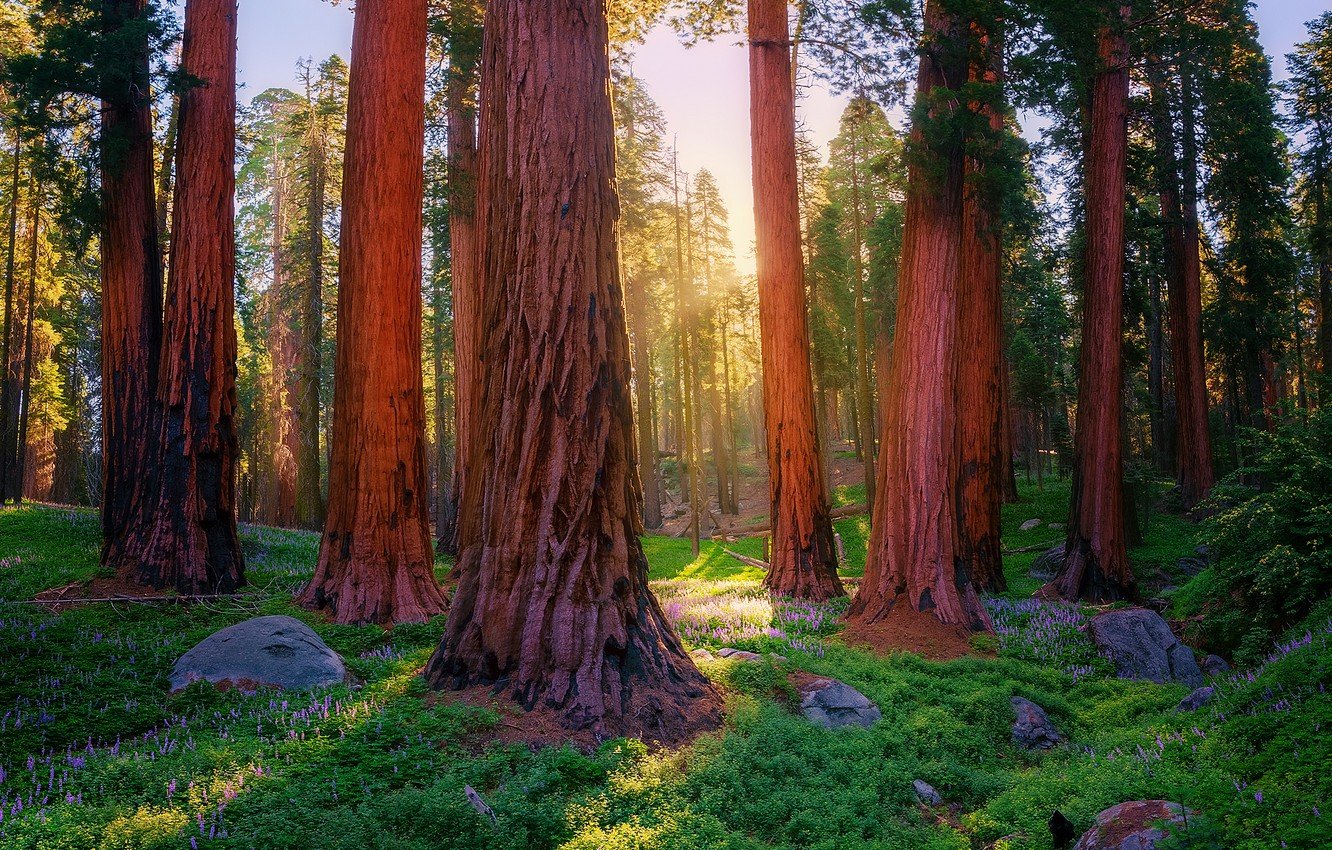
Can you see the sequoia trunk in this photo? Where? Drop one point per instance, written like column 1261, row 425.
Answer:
column 803, row 556
column 1096, row 565
column 553, row 604
column 376, row 562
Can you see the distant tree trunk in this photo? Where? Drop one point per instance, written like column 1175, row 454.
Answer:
column 980, row 341
column 1096, row 565
column 131, row 266
column 376, row 562
column 1193, row 441
column 21, row 444
column 7, row 399
column 804, row 557
column 863, row 355
column 649, row 470
column 310, row 512
column 166, row 173
column 731, row 505
column 1008, row 475
column 688, row 447
column 470, row 429
column 193, row 546
column 913, row 555
column 554, row 606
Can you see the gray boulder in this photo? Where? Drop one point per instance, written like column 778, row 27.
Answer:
column 1196, row 700
column 926, row 794
column 1048, row 564
column 1137, row 825
column 1141, row 646
column 279, row 652
column 832, row 705
column 1215, row 665
column 1029, row 525
column 738, row 654
column 1032, row 730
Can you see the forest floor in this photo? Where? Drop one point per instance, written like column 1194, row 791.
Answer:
column 94, row 753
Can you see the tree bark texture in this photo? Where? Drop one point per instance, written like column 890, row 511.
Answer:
column 193, row 546
column 376, row 561
column 132, row 288
column 980, row 396
column 553, row 604
column 803, row 558
column 310, row 509
column 1096, row 565
column 913, row 556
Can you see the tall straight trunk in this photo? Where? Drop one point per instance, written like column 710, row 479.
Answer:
column 732, row 504
column 649, row 470
column 25, row 393
column 864, row 399
column 166, row 172
column 804, row 556
column 554, row 606
column 193, row 546
column 442, row 485
column 310, row 512
column 376, row 562
column 1096, row 565
column 688, row 455
column 470, row 427
column 1193, row 440
column 980, row 335
column 913, row 557
column 1158, row 410
column 131, row 266
column 8, row 422
column 1008, row 443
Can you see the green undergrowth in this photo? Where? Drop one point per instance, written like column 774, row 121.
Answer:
column 117, row 763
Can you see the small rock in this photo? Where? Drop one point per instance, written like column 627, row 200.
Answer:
column 1141, row 646
column 1195, row 700
column 926, row 794
column 738, row 654
column 832, row 705
column 1033, row 730
column 1191, row 566
column 1137, row 825
column 701, row 655
column 275, row 651
column 1029, row 525
column 1048, row 564
column 1056, row 526
column 1203, row 552
column 776, row 659
column 1215, row 665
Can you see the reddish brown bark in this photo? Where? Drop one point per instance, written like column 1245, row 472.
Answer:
column 1096, row 564
column 554, row 605
column 131, row 266
column 803, row 557
column 376, row 562
column 649, row 470
column 980, row 396
column 309, row 506
column 193, row 545
column 913, row 556
column 464, row 265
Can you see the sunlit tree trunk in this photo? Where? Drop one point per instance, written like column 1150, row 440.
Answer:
column 20, row 477
column 554, row 606
column 131, row 266
column 193, row 546
column 803, row 556
column 464, row 526
column 913, row 557
column 980, row 360
column 8, row 397
column 376, row 562
column 1096, row 564
column 310, row 511
column 649, row 470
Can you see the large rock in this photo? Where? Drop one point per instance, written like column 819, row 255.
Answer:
column 279, row 652
column 1215, row 665
column 926, row 794
column 1032, row 730
column 1048, row 564
column 832, row 705
column 1138, row 825
column 1195, row 700
column 1142, row 647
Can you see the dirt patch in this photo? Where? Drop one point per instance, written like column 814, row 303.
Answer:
column 114, row 589
column 908, row 630
column 547, row 727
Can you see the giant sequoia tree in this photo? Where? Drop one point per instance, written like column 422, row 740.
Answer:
column 1096, row 564
column 553, row 603
column 193, row 544
column 914, row 555
column 804, row 559
column 376, row 562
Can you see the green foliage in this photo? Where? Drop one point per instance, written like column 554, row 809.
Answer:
column 1270, row 535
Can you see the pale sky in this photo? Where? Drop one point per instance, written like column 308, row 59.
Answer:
column 703, row 91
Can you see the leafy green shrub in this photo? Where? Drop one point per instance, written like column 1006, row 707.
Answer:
column 1271, row 536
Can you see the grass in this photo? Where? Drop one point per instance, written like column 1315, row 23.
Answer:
column 95, row 754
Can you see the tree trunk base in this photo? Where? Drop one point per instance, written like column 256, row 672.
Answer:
column 1082, row 578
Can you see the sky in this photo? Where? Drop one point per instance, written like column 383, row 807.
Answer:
column 703, row 91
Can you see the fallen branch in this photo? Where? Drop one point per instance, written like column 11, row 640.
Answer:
column 1039, row 547
column 738, row 532
column 745, row 559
